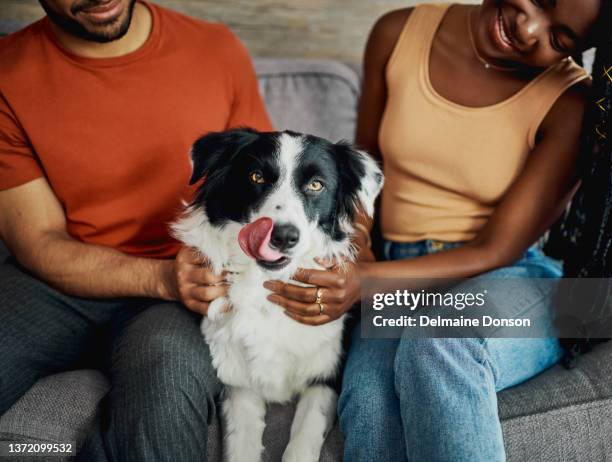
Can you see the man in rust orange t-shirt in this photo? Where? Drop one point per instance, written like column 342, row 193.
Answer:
column 99, row 104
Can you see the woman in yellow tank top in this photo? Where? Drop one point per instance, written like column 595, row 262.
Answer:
column 476, row 113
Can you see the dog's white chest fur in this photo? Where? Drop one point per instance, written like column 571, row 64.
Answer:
column 256, row 345
column 253, row 343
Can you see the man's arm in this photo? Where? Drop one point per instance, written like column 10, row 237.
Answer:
column 33, row 226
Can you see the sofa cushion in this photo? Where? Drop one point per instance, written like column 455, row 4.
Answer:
column 561, row 414
column 559, row 388
column 60, row 407
column 558, row 415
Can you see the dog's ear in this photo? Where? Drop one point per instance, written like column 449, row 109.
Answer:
column 209, row 150
column 361, row 180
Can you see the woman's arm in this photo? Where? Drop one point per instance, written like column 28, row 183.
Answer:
column 533, row 202
column 379, row 47
column 531, row 205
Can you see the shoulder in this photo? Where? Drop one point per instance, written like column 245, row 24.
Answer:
column 390, row 25
column 565, row 116
column 206, row 42
column 386, row 32
column 20, row 37
column 197, row 31
column 19, row 45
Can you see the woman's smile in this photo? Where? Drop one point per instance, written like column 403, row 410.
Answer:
column 500, row 35
column 530, row 33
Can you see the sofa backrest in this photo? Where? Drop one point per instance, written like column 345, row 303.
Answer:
column 311, row 96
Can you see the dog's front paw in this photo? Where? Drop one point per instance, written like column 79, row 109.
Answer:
column 218, row 308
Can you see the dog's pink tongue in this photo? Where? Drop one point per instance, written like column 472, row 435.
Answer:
column 254, row 239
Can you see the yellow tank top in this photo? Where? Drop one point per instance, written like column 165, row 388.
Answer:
column 446, row 165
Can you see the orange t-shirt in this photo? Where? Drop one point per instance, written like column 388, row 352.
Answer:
column 112, row 136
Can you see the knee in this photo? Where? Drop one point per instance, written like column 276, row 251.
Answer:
column 366, row 398
column 18, row 373
column 369, row 414
column 419, row 358
column 165, row 371
column 15, row 381
column 156, row 390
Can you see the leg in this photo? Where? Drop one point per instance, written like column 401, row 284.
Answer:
column 448, row 401
column 163, row 390
column 313, row 419
column 42, row 331
column 244, row 414
column 447, row 390
column 368, row 408
column 447, row 387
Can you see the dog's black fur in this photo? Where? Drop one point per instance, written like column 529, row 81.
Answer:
column 226, row 160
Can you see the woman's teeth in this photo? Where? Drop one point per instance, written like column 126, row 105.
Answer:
column 502, row 30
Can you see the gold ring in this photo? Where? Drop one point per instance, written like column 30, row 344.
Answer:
column 321, row 308
column 319, row 295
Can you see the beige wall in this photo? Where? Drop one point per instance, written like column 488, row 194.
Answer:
column 294, row 28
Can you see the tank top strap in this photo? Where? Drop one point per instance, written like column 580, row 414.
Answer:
column 416, row 37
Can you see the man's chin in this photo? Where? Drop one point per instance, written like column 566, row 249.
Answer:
column 93, row 31
column 104, row 33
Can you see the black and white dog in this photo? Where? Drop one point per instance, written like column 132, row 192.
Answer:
column 269, row 204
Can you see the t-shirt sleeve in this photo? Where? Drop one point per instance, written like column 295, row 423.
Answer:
column 18, row 163
column 248, row 108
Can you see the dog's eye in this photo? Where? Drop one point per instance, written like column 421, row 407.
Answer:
column 315, row 186
column 256, row 177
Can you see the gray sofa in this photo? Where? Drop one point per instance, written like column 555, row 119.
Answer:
column 558, row 416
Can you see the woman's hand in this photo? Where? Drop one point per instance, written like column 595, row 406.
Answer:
column 192, row 281
column 338, row 288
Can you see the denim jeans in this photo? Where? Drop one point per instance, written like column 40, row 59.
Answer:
column 434, row 399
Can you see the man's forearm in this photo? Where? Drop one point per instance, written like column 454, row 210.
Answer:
column 86, row 270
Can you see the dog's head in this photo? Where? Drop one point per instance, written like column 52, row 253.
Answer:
column 283, row 196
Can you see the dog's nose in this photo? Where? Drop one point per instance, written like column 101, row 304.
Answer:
column 284, row 237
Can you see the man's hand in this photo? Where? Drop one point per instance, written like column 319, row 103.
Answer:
column 192, row 281
column 339, row 287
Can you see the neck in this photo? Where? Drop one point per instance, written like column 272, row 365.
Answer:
column 134, row 38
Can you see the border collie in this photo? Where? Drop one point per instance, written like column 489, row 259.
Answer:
column 269, row 204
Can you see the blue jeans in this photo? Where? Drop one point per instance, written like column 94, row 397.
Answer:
column 434, row 399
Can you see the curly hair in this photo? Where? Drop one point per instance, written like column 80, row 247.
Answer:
column 583, row 238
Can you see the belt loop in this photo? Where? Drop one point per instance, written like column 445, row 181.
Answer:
column 436, row 245
column 387, row 249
